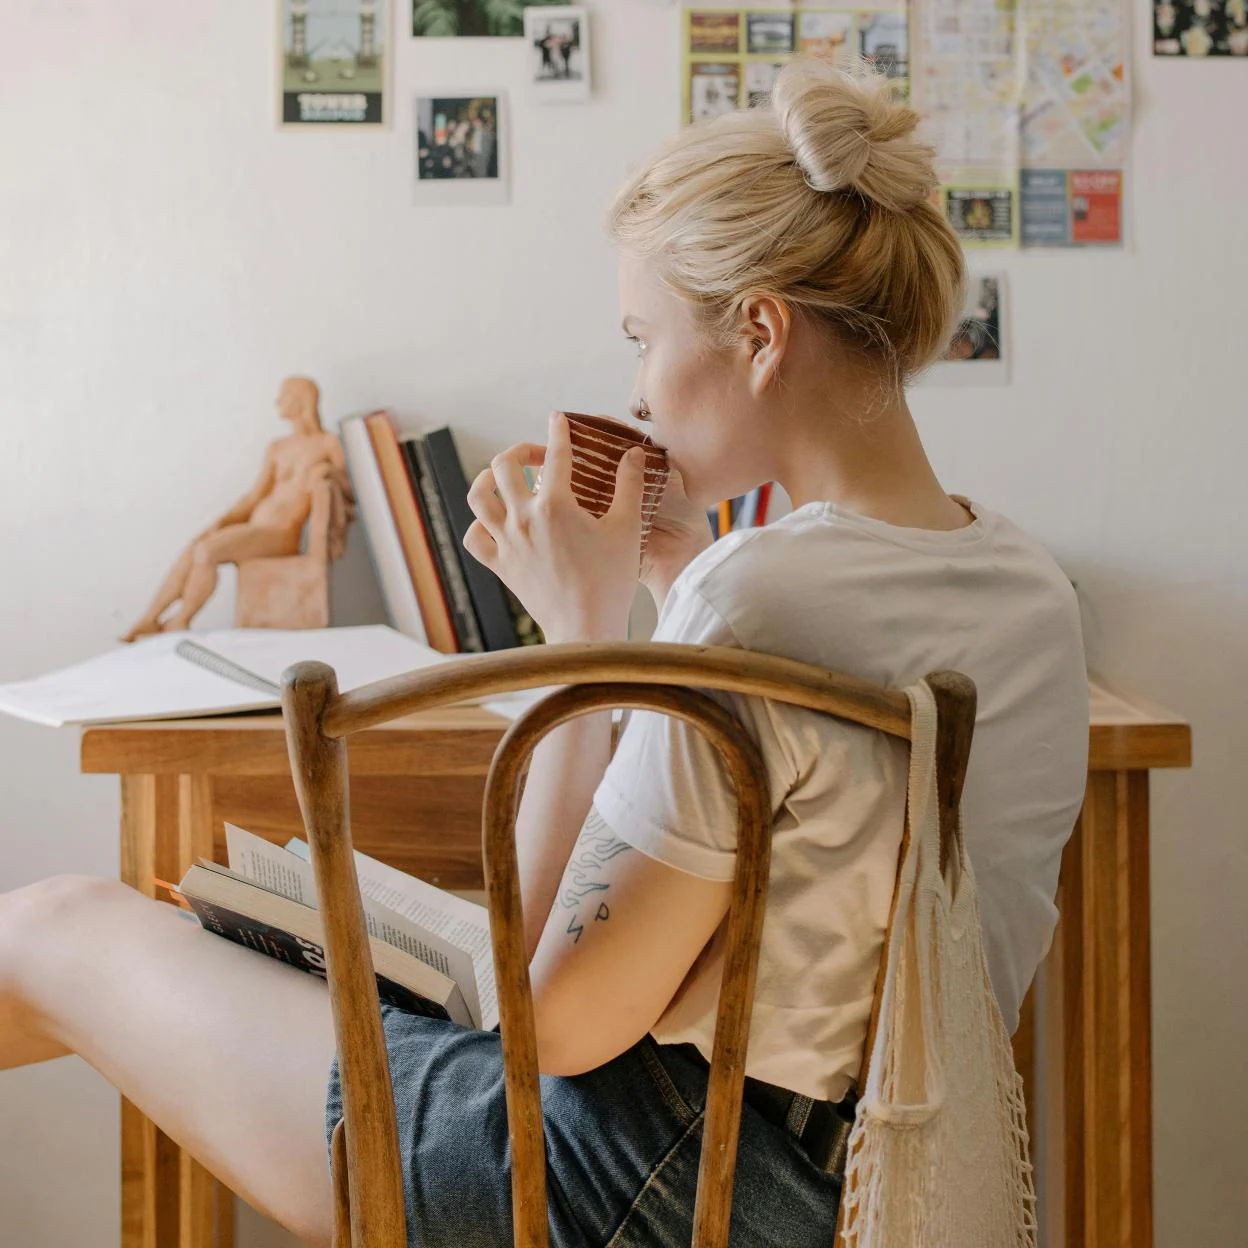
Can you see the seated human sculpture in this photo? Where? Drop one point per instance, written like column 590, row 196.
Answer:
column 268, row 520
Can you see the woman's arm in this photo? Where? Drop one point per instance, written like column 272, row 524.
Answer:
column 565, row 770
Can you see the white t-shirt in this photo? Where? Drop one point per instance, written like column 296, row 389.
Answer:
column 890, row 605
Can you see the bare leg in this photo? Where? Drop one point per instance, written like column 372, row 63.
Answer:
column 229, row 545
column 227, row 1051
column 169, row 592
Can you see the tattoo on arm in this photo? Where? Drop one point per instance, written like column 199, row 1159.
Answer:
column 584, row 888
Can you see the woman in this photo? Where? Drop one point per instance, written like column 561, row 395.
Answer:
column 783, row 274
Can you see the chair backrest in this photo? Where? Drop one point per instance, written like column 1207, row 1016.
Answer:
column 662, row 676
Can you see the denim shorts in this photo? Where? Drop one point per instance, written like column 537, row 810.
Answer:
column 622, row 1148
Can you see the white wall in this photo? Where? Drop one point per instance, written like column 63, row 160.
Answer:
column 166, row 257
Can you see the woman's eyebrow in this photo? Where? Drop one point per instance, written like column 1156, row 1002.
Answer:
column 628, row 323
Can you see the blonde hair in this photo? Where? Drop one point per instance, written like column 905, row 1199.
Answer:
column 821, row 200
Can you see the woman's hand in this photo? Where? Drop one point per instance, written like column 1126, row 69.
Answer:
column 575, row 574
column 681, row 531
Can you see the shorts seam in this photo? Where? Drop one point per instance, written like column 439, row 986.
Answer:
column 667, row 1089
column 614, row 1241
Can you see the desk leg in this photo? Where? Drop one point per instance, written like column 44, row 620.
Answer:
column 167, row 1198
column 1107, row 1010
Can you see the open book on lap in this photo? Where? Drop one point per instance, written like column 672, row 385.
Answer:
column 431, row 949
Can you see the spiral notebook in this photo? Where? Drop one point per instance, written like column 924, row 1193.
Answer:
column 185, row 675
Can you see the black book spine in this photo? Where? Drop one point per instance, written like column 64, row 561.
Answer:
column 467, row 630
column 488, row 593
column 299, row 953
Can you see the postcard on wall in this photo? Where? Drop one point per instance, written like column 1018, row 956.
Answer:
column 450, row 19
column 731, row 56
column 334, row 62
column 1200, row 28
column 976, row 355
column 461, row 148
column 559, row 53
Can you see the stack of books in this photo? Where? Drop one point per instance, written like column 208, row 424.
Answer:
column 413, row 504
column 743, row 512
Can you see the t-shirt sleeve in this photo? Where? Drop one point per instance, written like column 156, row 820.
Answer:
column 666, row 791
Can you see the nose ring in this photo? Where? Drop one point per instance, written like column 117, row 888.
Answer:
column 643, row 410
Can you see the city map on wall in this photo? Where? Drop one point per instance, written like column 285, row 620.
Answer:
column 1028, row 102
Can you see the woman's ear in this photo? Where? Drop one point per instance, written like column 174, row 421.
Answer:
column 766, row 325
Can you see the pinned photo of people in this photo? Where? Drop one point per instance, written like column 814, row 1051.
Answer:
column 559, row 57
column 460, row 153
column 976, row 354
column 333, row 62
column 978, row 335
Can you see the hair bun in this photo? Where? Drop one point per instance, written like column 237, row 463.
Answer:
column 847, row 132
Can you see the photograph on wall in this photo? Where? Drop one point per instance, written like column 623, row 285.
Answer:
column 883, row 43
column 334, row 62
column 760, row 78
column 715, row 31
column 461, row 148
column 713, row 89
column 827, row 34
column 1200, row 28
column 768, row 33
column 451, row 19
column 559, row 58
column 982, row 215
column 976, row 353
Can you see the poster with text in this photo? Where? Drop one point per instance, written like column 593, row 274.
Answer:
column 335, row 62
column 1200, row 28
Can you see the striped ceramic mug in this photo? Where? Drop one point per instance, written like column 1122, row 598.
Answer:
column 598, row 445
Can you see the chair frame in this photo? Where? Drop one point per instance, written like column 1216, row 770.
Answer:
column 663, row 676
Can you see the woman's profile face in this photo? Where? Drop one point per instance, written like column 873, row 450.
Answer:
column 695, row 392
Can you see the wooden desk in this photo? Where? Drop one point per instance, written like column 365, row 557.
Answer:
column 416, row 790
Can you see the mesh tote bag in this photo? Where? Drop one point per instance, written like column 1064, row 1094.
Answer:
column 938, row 1156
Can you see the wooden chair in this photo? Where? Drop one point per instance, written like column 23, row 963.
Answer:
column 368, row 1182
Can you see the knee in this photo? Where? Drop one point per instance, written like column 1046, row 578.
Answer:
column 26, row 912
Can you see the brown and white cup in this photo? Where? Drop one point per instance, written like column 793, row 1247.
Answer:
column 598, row 445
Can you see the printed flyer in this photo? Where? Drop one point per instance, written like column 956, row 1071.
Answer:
column 334, row 62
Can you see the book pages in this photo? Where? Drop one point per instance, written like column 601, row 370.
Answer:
column 424, row 927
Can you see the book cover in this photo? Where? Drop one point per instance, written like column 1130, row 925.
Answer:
column 296, row 951
column 467, row 630
column 484, row 588
column 380, row 533
column 415, row 543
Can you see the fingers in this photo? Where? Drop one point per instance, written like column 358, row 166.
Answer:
column 486, row 505
column 479, row 543
column 629, row 479
column 557, row 470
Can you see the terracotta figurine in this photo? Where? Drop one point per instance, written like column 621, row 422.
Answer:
column 267, row 521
